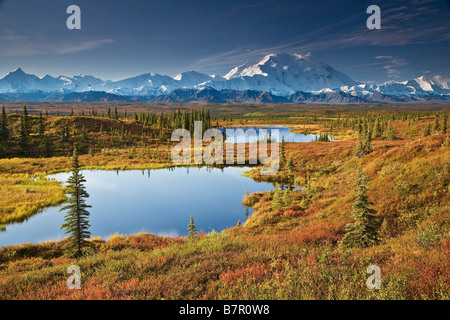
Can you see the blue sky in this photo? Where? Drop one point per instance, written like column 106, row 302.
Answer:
column 126, row 38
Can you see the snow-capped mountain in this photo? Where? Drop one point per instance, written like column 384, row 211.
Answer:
column 283, row 75
column 276, row 77
column 190, row 79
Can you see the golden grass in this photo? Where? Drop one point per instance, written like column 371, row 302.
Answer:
column 287, row 253
column 23, row 195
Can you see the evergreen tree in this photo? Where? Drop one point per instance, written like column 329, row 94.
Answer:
column 84, row 133
column 390, row 132
column 46, row 145
column 76, row 222
column 24, row 133
column 364, row 143
column 287, row 200
column 192, row 229
column 4, row 132
column 359, row 127
column 65, row 135
column 41, row 125
column 308, row 190
column 277, row 200
column 364, row 231
column 376, row 130
column 282, row 155
column 290, row 165
column 444, row 124
column 368, row 142
column 436, row 125
column 427, row 130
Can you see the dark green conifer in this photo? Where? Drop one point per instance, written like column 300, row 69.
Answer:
column 427, row 130
column 191, row 228
column 282, row 155
column 436, row 125
column 4, row 131
column 41, row 125
column 290, row 165
column 364, row 231
column 24, row 139
column 76, row 223
column 444, row 124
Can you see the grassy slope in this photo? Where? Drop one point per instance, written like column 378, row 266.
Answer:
column 289, row 253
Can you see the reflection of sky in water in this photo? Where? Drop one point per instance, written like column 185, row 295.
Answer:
column 156, row 201
column 252, row 134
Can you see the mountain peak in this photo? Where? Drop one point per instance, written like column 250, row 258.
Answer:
column 190, row 73
column 284, row 57
column 287, row 73
column 278, row 74
column 17, row 71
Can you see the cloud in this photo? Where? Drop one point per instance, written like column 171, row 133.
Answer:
column 394, row 63
column 18, row 45
column 401, row 25
column 84, row 46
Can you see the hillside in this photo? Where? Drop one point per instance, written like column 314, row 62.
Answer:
column 287, row 251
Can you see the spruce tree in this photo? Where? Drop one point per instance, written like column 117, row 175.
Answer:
column 41, row 125
column 368, row 142
column 282, row 155
column 376, row 130
column 364, row 231
column 444, row 124
column 436, row 125
column 364, row 143
column 290, row 165
column 191, row 228
column 76, row 223
column 4, row 132
column 287, row 200
column 391, row 132
column 24, row 133
column 277, row 200
column 308, row 190
column 427, row 130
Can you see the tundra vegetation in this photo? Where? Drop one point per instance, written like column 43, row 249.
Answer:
column 378, row 194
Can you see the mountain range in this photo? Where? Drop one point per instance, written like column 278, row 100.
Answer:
column 277, row 78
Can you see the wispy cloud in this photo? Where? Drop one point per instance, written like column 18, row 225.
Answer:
column 83, row 46
column 393, row 65
column 19, row 45
column 400, row 26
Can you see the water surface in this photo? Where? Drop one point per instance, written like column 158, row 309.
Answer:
column 271, row 132
column 156, row 201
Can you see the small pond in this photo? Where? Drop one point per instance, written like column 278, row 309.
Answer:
column 156, row 201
